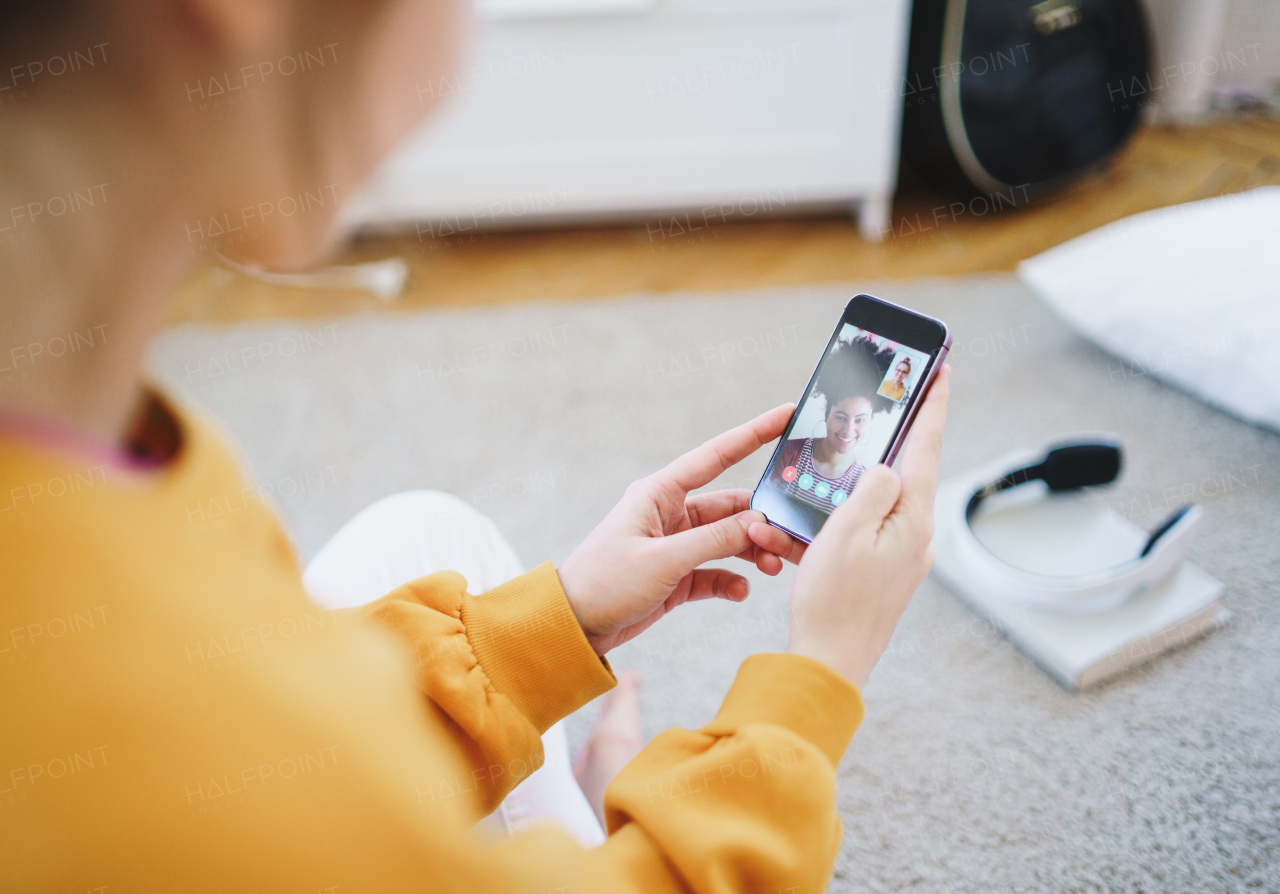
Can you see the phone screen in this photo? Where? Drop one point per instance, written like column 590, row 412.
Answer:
column 847, row 421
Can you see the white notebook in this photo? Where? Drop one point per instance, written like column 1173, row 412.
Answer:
column 1068, row 533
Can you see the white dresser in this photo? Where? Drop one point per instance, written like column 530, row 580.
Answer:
column 677, row 112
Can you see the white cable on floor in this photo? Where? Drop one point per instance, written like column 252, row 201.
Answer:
column 385, row 278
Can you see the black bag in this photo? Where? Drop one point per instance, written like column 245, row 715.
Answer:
column 1011, row 97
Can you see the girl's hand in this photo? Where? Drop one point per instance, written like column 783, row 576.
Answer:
column 863, row 567
column 642, row 560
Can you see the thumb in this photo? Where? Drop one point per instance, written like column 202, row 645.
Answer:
column 721, row 539
column 872, row 500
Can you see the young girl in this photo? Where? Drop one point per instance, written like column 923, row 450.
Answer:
column 161, row 731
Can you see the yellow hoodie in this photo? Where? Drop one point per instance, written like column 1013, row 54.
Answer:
column 177, row 716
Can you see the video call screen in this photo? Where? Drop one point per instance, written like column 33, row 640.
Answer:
column 847, row 418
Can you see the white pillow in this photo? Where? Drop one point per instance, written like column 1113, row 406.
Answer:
column 1190, row 294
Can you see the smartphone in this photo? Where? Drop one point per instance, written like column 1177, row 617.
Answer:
column 855, row 412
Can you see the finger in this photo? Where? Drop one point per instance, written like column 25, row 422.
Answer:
column 703, row 464
column 762, row 559
column 767, row 562
column 708, row 508
column 703, row 509
column 924, row 446
column 718, row 583
column 722, row 539
column 777, row 542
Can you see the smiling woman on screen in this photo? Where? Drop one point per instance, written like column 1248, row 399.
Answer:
column 822, row 472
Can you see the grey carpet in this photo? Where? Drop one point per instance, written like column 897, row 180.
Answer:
column 973, row 771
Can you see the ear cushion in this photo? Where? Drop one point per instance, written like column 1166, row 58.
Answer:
column 1080, row 465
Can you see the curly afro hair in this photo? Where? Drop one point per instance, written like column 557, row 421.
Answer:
column 855, row 369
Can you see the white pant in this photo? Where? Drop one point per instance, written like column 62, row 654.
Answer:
column 412, row 534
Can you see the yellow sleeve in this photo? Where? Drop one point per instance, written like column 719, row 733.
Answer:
column 744, row 803
column 747, row 803
column 497, row 669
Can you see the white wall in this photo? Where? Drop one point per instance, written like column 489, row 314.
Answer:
column 1202, row 44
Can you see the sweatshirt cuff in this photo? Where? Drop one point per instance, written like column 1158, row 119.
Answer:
column 532, row 648
column 795, row 692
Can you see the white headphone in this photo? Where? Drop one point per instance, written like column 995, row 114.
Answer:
column 1064, row 467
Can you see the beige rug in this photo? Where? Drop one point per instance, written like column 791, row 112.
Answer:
column 973, row 771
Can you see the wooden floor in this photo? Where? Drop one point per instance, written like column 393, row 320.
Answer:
column 1162, row 166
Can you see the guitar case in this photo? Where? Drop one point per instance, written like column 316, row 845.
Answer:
column 1014, row 98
